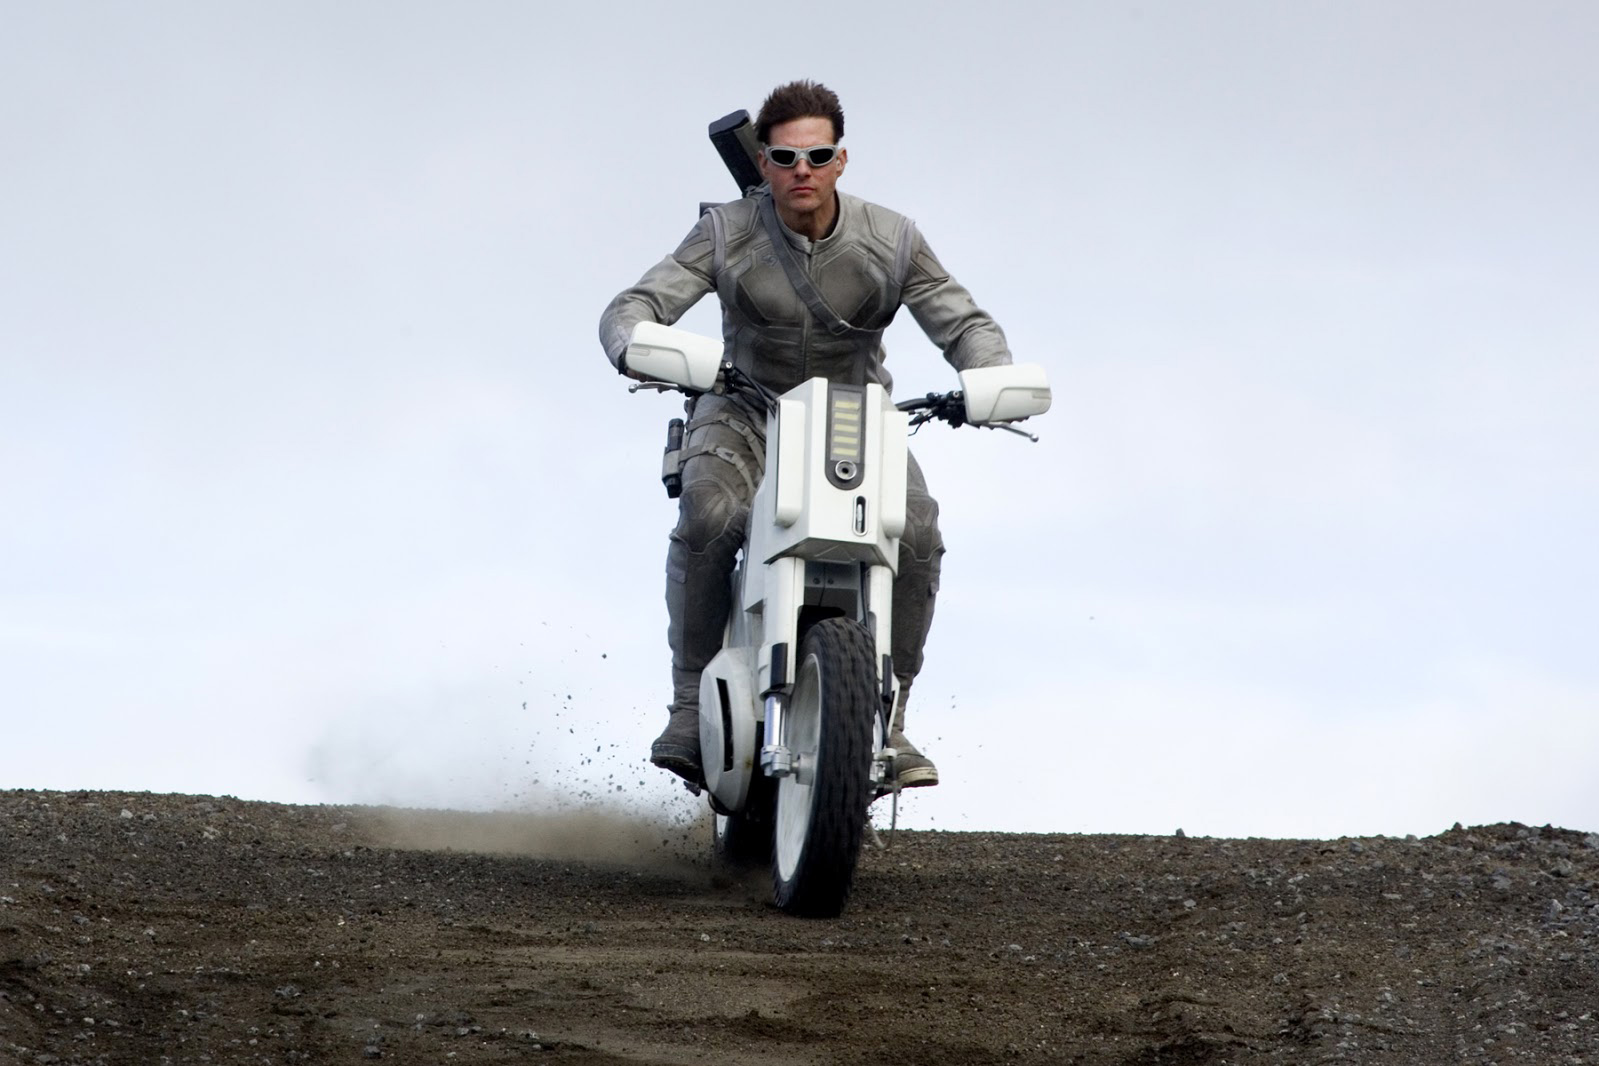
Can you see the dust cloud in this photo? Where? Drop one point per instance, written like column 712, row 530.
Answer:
column 597, row 835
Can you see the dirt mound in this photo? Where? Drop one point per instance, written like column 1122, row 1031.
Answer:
column 147, row 929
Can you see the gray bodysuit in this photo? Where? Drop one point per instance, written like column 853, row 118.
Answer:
column 872, row 262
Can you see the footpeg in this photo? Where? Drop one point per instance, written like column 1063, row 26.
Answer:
column 882, row 771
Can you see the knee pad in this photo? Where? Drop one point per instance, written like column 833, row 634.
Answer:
column 709, row 515
column 922, row 542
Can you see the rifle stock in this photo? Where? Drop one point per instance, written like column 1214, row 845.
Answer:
column 734, row 138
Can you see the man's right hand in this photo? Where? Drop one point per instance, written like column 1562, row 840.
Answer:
column 621, row 368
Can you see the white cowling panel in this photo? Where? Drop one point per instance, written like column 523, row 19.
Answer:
column 1005, row 393
column 665, row 353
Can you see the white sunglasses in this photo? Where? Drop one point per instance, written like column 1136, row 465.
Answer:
column 818, row 155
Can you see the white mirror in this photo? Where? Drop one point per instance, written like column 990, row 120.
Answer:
column 664, row 353
column 1005, row 393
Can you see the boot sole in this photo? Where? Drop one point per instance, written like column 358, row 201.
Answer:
column 683, row 762
column 920, row 777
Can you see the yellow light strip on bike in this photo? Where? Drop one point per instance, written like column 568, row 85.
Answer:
column 844, row 440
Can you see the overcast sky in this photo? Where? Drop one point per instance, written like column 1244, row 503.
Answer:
column 315, row 485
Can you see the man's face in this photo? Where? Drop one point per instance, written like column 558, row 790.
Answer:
column 801, row 188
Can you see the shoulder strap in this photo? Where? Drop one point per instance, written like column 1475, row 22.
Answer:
column 718, row 243
column 797, row 277
column 902, row 256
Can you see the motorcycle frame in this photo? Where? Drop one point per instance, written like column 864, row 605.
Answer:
column 823, row 541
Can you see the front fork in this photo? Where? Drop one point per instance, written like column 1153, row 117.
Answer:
column 882, row 771
column 776, row 759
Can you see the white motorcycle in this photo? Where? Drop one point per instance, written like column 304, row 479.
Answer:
column 795, row 709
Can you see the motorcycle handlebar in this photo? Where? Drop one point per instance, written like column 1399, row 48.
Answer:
column 945, row 406
column 934, row 406
column 729, row 379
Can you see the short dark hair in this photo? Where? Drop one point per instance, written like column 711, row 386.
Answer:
column 799, row 99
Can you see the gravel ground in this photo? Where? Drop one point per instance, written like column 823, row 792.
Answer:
column 149, row 929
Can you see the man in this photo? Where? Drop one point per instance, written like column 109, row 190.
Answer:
column 863, row 263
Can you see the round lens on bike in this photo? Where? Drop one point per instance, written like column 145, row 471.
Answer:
column 783, row 157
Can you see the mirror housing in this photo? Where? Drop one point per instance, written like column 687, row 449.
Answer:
column 1004, row 393
column 664, row 353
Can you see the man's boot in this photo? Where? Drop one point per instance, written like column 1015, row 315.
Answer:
column 678, row 748
column 912, row 769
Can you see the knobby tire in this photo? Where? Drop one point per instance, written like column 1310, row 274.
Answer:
column 843, row 654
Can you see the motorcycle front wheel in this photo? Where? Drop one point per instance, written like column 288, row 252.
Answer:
column 821, row 806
